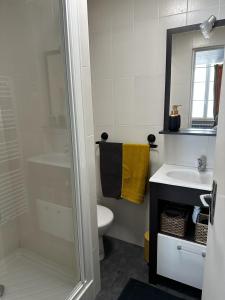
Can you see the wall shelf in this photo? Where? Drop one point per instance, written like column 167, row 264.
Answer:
column 191, row 131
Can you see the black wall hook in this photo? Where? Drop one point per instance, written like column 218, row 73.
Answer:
column 151, row 140
column 104, row 137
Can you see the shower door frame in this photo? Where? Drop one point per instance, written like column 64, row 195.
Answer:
column 85, row 289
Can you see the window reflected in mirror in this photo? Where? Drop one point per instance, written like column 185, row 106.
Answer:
column 206, row 85
column 194, row 80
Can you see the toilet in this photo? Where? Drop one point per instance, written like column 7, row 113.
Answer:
column 105, row 218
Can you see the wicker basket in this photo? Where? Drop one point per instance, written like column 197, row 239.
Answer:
column 201, row 230
column 175, row 225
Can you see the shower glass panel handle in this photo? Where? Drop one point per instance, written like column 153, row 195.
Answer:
column 39, row 247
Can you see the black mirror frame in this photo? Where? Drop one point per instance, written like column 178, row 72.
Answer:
column 170, row 32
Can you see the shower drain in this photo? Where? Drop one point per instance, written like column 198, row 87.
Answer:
column 2, row 289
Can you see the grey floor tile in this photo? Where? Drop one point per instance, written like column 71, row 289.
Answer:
column 123, row 261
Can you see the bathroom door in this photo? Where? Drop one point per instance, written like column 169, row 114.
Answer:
column 214, row 275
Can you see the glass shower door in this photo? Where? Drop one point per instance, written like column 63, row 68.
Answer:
column 39, row 247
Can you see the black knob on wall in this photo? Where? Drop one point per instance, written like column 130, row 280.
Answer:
column 104, row 136
column 151, row 140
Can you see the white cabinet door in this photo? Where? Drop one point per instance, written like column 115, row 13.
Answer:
column 180, row 260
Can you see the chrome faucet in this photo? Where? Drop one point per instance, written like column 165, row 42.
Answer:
column 202, row 162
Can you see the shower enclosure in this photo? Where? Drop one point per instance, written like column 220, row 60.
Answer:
column 40, row 247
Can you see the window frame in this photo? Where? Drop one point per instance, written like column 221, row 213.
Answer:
column 204, row 121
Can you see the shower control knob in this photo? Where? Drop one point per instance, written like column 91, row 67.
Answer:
column 179, row 247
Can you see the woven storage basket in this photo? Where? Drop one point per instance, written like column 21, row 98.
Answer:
column 201, row 230
column 175, row 225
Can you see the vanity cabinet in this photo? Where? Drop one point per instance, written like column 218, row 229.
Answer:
column 178, row 259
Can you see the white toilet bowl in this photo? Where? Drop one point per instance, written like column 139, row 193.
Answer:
column 105, row 218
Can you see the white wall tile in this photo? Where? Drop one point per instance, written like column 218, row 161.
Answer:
column 129, row 220
column 146, row 49
column 198, row 16
column 148, row 100
column 122, row 14
column 172, row 7
column 101, row 55
column 103, row 105
column 123, row 52
column 185, row 150
column 100, row 15
column 124, row 100
column 201, row 4
column 211, row 155
column 145, row 10
column 172, row 22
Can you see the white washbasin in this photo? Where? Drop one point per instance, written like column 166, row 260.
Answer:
column 52, row 159
column 184, row 176
column 190, row 176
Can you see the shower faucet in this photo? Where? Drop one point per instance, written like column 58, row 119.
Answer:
column 202, row 162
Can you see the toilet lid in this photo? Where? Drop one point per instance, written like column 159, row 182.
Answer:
column 104, row 215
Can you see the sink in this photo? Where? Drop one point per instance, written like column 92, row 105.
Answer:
column 190, row 176
column 184, row 176
column 53, row 159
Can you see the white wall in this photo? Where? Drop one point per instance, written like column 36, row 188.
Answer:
column 128, row 47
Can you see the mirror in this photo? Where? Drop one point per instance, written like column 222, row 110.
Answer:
column 205, row 86
column 193, row 77
column 56, row 89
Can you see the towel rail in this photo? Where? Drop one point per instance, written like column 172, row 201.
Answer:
column 150, row 138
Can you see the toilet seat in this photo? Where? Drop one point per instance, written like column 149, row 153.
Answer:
column 104, row 215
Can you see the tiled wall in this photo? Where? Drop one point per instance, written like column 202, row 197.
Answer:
column 10, row 31
column 128, row 40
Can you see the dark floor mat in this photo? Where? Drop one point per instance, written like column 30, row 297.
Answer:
column 136, row 290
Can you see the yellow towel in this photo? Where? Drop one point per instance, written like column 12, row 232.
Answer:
column 134, row 172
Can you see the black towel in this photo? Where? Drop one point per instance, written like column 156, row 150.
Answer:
column 111, row 169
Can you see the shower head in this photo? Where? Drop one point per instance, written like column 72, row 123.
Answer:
column 207, row 26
